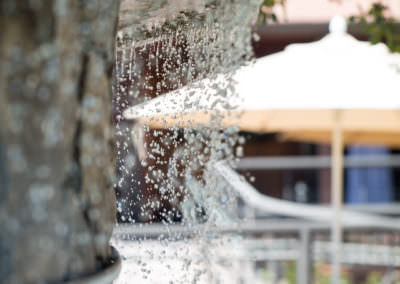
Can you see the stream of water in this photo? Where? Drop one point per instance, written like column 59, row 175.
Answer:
column 165, row 175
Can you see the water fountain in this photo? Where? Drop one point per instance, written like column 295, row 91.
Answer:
column 56, row 198
column 164, row 173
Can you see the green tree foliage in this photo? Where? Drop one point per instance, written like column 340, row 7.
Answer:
column 379, row 26
column 266, row 14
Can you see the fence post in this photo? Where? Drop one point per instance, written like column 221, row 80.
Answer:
column 304, row 261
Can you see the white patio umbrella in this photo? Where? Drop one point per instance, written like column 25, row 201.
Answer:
column 297, row 91
column 337, row 89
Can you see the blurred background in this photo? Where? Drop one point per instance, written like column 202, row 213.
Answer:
column 274, row 251
column 279, row 24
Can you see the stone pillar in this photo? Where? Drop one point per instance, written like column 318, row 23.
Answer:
column 56, row 158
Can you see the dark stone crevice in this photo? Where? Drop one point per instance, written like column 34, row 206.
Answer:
column 86, row 206
column 74, row 179
column 78, row 134
column 3, row 174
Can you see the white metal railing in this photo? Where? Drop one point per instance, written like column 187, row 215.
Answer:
column 316, row 162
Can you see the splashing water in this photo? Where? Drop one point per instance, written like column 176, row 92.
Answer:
column 165, row 175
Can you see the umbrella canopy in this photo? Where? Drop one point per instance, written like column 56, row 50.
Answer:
column 297, row 92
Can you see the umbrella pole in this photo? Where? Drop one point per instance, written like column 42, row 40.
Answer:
column 337, row 197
